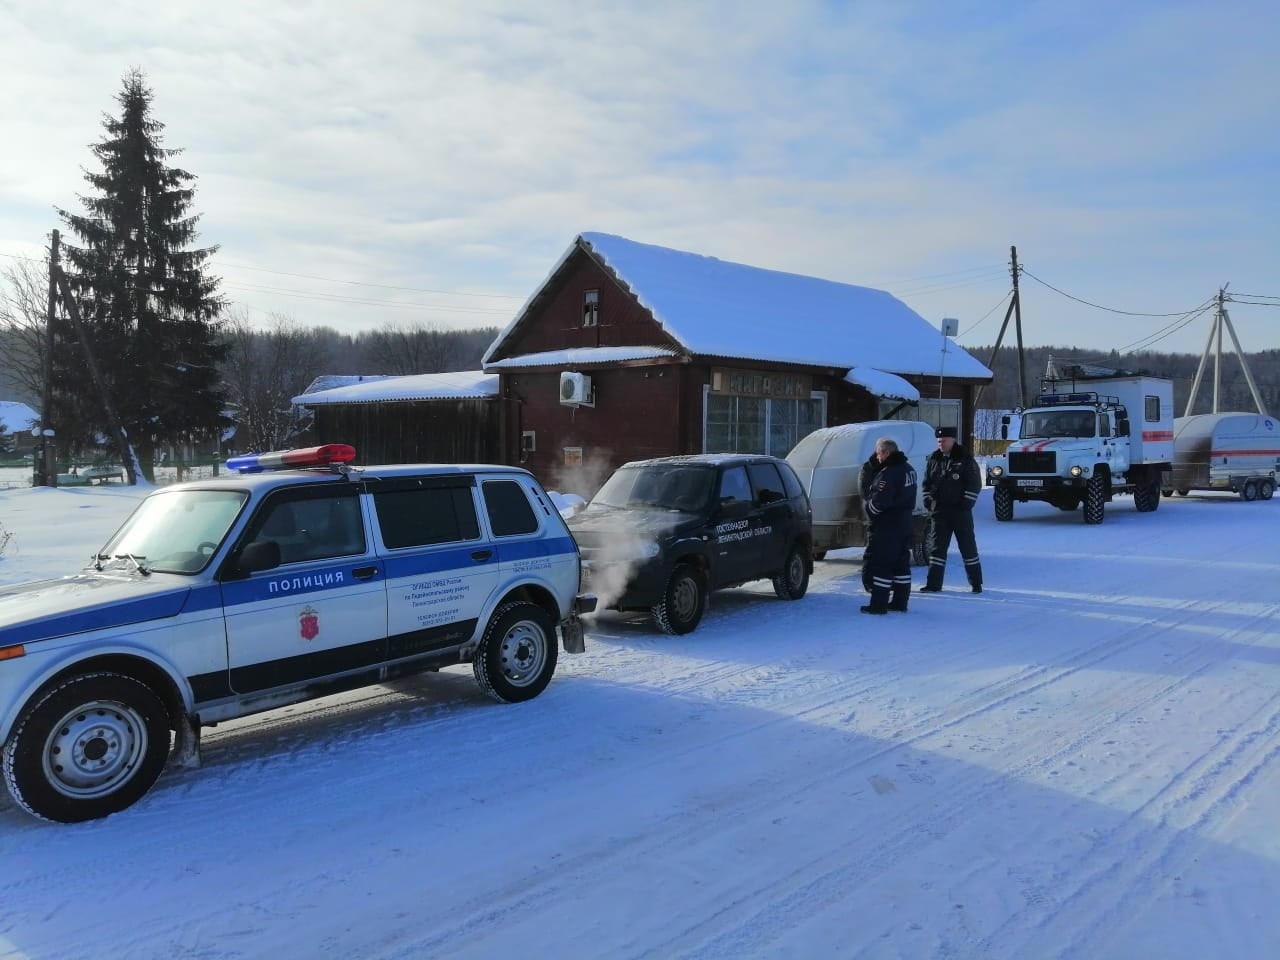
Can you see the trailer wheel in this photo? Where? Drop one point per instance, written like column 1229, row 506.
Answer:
column 819, row 555
column 1183, row 491
column 1249, row 491
column 1266, row 488
column 1004, row 504
column 1095, row 499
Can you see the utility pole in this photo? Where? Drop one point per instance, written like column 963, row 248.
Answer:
column 122, row 440
column 1017, row 314
column 1214, row 345
column 47, row 474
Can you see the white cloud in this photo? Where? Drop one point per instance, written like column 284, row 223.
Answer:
column 460, row 146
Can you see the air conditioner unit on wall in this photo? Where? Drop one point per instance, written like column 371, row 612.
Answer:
column 575, row 390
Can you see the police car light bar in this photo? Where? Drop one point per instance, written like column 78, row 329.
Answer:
column 320, row 456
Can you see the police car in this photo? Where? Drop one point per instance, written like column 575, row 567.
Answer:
column 660, row 534
column 298, row 576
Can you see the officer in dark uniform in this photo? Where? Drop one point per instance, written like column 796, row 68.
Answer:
column 866, row 484
column 952, row 482
column 893, row 498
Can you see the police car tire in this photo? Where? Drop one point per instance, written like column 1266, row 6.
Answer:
column 793, row 580
column 1095, row 499
column 1004, row 504
column 687, row 583
column 137, row 721
column 513, row 626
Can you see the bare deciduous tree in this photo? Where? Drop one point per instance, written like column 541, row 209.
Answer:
column 23, row 308
column 410, row 349
column 263, row 371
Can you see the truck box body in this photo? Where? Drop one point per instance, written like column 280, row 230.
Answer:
column 1221, row 451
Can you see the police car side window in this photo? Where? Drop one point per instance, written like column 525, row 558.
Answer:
column 767, row 482
column 313, row 527
column 509, row 510
column 734, row 486
column 424, row 516
column 790, row 482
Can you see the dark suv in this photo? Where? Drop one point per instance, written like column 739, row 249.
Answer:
column 662, row 533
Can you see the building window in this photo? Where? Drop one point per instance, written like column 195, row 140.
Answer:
column 591, row 308
column 936, row 413
column 760, row 424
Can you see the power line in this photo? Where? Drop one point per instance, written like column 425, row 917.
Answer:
column 1098, row 306
column 1168, row 329
column 972, row 326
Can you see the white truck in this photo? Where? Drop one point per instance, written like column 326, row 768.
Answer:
column 1092, row 433
column 1236, row 452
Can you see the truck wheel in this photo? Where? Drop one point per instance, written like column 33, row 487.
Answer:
column 517, row 655
column 793, row 581
column 683, row 602
column 90, row 747
column 1182, row 492
column 919, row 554
column 1266, row 488
column 1249, row 491
column 1147, row 499
column 1095, row 499
column 1004, row 504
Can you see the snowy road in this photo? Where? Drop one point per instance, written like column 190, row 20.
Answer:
column 1082, row 762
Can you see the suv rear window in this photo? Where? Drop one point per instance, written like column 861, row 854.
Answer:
column 422, row 516
column 509, row 510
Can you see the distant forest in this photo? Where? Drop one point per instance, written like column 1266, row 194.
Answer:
column 1002, row 394
column 424, row 349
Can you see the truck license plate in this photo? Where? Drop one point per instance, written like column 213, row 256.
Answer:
column 1031, row 483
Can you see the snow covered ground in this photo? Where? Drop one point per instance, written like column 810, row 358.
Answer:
column 1082, row 762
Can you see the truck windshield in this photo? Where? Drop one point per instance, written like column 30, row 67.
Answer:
column 1059, row 423
column 684, row 487
column 175, row 531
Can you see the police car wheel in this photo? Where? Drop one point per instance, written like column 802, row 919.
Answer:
column 517, row 656
column 683, row 602
column 90, row 747
column 793, row 581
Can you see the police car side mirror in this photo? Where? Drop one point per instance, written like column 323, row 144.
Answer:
column 258, row 555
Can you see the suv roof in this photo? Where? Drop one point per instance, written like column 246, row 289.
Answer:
column 710, row 459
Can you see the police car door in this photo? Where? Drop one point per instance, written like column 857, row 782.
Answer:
column 323, row 610
column 735, row 556
column 440, row 569
column 773, row 522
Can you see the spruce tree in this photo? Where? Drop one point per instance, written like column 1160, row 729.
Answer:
column 151, row 309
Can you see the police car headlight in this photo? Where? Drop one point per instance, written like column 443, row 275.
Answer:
column 996, row 471
column 1077, row 471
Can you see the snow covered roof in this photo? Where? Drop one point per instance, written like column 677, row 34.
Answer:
column 17, row 417
column 581, row 356
column 330, row 380
column 717, row 308
column 882, row 384
column 462, row 385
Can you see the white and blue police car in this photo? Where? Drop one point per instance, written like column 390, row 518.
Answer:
column 297, row 576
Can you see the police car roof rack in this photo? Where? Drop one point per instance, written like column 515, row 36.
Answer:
column 333, row 456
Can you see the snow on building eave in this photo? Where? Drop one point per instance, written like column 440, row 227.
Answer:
column 585, row 356
column 420, row 387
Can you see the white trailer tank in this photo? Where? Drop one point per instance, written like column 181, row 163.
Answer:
column 1239, row 452
column 828, row 462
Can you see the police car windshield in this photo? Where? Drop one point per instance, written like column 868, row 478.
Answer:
column 175, row 531
column 1059, row 423
column 683, row 487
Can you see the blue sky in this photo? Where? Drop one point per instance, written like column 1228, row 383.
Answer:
column 456, row 147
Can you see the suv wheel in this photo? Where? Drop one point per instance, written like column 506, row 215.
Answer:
column 89, row 747
column 684, row 601
column 517, row 656
column 792, row 582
